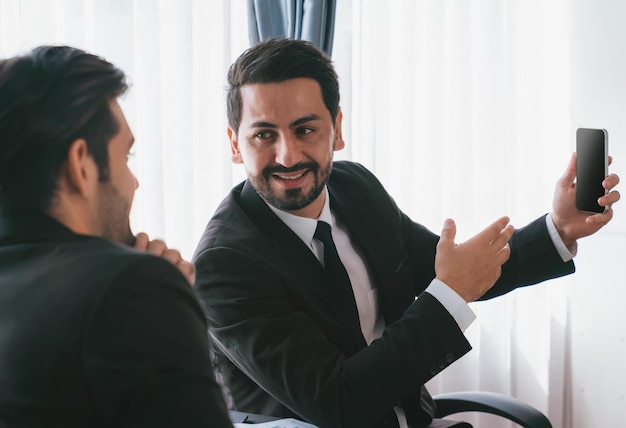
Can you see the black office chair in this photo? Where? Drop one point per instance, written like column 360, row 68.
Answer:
column 488, row 402
column 457, row 402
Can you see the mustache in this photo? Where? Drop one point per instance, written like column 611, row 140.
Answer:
column 278, row 169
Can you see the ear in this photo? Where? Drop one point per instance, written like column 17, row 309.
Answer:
column 339, row 143
column 80, row 169
column 234, row 146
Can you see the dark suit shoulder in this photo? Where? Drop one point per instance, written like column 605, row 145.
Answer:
column 112, row 261
column 128, row 273
column 350, row 169
column 355, row 190
column 353, row 175
column 238, row 223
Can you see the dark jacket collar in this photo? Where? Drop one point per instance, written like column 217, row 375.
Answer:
column 31, row 227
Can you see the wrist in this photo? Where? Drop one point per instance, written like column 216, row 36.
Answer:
column 564, row 233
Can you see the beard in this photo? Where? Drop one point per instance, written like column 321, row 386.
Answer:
column 296, row 198
column 113, row 215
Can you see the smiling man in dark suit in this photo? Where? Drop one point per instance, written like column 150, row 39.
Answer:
column 287, row 338
column 93, row 332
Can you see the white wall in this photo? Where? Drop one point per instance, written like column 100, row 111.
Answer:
column 598, row 330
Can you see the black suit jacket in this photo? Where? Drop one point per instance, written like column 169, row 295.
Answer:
column 95, row 334
column 280, row 341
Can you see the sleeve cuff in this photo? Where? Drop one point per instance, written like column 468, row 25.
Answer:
column 566, row 253
column 453, row 303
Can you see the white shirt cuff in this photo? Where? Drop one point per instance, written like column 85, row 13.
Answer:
column 566, row 253
column 454, row 304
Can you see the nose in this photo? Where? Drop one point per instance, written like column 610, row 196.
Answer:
column 288, row 152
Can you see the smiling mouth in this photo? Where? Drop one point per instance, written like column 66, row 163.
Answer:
column 290, row 177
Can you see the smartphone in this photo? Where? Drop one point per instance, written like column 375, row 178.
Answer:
column 591, row 168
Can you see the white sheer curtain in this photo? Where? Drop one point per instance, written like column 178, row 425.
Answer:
column 176, row 54
column 461, row 108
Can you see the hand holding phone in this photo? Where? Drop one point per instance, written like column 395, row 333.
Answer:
column 591, row 168
column 575, row 214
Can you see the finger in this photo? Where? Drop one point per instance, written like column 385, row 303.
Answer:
column 503, row 255
column 602, row 218
column 610, row 160
column 492, row 232
column 569, row 175
column 171, row 255
column 502, row 240
column 156, row 247
column 610, row 181
column 609, row 199
column 141, row 241
column 505, row 236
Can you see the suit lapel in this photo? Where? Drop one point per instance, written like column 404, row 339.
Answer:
column 386, row 264
column 300, row 262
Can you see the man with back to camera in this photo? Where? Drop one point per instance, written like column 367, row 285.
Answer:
column 287, row 340
column 92, row 332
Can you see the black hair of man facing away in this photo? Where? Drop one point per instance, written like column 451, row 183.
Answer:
column 287, row 339
column 93, row 332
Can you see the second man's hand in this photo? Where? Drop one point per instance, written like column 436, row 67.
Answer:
column 473, row 267
column 159, row 248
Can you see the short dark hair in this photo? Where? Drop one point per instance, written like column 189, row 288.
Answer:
column 278, row 60
column 49, row 98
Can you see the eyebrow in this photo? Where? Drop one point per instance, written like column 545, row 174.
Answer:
column 295, row 123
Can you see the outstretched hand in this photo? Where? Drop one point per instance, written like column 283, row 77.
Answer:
column 473, row 267
column 571, row 223
column 160, row 249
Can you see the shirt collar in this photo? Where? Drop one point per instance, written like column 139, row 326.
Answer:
column 302, row 226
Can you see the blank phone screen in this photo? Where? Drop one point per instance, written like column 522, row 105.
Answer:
column 591, row 159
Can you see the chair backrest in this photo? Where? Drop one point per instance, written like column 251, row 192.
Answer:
column 488, row 402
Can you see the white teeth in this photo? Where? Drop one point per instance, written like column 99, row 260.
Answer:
column 294, row 177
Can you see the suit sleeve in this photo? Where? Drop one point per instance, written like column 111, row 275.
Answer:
column 147, row 354
column 534, row 259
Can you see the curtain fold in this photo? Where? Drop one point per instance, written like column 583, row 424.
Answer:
column 311, row 20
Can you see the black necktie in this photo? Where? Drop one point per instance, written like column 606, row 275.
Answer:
column 338, row 274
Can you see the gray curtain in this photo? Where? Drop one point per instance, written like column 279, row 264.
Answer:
column 311, row 20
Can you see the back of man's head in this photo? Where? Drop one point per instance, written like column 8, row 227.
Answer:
column 49, row 98
column 278, row 60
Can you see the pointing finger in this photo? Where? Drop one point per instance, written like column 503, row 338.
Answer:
column 493, row 231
